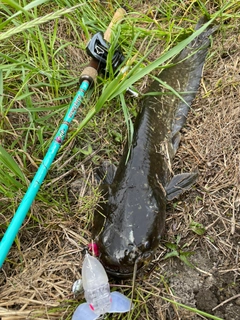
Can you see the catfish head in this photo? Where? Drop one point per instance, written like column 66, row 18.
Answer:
column 128, row 224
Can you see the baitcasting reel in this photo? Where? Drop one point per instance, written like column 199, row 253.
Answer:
column 98, row 49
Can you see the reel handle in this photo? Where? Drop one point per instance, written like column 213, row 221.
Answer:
column 118, row 15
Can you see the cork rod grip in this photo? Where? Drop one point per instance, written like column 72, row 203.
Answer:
column 118, row 15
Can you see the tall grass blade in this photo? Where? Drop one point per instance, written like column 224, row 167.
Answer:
column 1, row 91
column 10, row 163
column 33, row 23
column 16, row 6
column 29, row 6
column 202, row 313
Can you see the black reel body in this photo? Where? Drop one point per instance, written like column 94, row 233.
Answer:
column 98, row 49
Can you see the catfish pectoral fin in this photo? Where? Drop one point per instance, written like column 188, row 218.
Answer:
column 106, row 172
column 179, row 184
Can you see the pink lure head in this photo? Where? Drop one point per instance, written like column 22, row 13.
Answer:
column 93, row 247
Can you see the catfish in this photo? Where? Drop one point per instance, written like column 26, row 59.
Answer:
column 129, row 223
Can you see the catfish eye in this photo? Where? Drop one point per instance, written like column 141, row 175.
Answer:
column 147, row 245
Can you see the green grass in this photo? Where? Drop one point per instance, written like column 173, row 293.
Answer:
column 42, row 46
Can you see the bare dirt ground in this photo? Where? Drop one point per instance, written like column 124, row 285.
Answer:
column 211, row 143
column 37, row 284
column 212, row 139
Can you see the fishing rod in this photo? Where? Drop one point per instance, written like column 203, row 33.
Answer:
column 98, row 50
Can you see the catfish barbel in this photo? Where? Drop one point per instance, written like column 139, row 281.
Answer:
column 129, row 224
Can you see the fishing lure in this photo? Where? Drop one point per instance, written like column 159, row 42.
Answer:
column 97, row 293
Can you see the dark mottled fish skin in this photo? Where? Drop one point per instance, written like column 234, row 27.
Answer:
column 129, row 224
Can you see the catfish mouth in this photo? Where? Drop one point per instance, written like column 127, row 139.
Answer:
column 119, row 274
column 122, row 272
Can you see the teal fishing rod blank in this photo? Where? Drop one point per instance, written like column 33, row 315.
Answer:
column 40, row 175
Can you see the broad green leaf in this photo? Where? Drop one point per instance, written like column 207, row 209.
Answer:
column 171, row 246
column 171, row 254
column 198, row 228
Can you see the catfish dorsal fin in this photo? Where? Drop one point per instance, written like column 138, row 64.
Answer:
column 179, row 184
